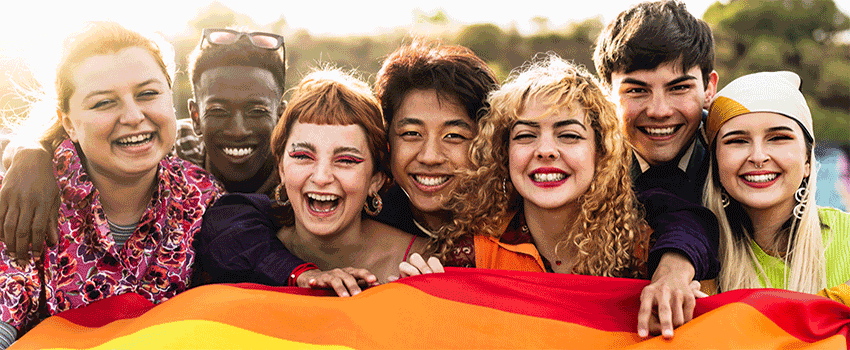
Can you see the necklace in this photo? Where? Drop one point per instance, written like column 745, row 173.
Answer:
column 423, row 229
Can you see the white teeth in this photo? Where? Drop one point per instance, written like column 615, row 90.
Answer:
column 761, row 178
column 322, row 197
column 431, row 180
column 549, row 177
column 140, row 138
column 660, row 131
column 237, row 152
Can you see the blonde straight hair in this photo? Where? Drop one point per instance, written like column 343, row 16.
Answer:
column 806, row 270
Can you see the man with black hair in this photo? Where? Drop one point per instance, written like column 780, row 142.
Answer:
column 237, row 86
column 657, row 61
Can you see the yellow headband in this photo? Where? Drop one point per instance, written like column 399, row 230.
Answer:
column 721, row 110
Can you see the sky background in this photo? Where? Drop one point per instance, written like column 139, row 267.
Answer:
column 27, row 25
column 33, row 29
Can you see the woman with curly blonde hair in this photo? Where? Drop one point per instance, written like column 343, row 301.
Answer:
column 550, row 189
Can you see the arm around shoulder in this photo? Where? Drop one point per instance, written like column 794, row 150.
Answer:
column 238, row 243
column 683, row 227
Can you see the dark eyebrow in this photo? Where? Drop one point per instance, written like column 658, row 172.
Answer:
column 780, row 128
column 773, row 129
column 458, row 123
column 251, row 100
column 634, row 81
column 103, row 92
column 678, row 80
column 346, row 149
column 558, row 124
column 306, row 145
column 564, row 123
column 409, row 121
column 733, row 133
column 681, row 79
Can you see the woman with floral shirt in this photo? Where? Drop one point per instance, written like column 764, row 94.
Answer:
column 128, row 213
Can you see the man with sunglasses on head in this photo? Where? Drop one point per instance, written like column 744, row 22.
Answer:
column 237, row 84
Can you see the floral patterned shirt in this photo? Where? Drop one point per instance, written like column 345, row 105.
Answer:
column 86, row 265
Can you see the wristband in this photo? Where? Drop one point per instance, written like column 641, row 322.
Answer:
column 293, row 278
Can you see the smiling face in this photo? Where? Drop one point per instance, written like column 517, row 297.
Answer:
column 328, row 172
column 429, row 140
column 661, row 109
column 762, row 160
column 236, row 110
column 552, row 156
column 121, row 113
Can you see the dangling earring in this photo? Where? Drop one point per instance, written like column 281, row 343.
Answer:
column 801, row 196
column 505, row 186
column 278, row 196
column 373, row 206
column 724, row 198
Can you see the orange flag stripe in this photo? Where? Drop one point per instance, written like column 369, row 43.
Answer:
column 392, row 316
column 459, row 309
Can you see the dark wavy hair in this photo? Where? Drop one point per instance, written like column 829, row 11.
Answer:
column 653, row 33
column 452, row 71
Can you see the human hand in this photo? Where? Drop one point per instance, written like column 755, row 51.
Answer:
column 29, row 205
column 416, row 265
column 345, row 281
column 668, row 302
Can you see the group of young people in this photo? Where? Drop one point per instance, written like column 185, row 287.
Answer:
column 649, row 173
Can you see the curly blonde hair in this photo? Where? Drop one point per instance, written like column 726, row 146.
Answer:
column 610, row 236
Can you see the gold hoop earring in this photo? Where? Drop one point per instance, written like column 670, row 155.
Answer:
column 278, row 196
column 374, row 205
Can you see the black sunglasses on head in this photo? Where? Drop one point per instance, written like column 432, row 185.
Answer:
column 228, row 36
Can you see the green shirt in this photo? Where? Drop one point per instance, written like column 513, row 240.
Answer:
column 835, row 228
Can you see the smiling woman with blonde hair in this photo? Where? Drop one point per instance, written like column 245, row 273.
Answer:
column 761, row 186
column 550, row 186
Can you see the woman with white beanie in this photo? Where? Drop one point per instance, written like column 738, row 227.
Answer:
column 761, row 186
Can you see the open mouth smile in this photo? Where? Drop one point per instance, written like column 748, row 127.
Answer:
column 322, row 204
column 237, row 151
column 134, row 140
column 759, row 180
column 548, row 177
column 430, row 182
column 660, row 132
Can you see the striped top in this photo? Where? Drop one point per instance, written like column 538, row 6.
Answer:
column 121, row 233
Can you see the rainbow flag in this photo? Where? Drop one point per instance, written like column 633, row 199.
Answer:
column 462, row 308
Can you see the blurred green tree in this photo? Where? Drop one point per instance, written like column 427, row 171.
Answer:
column 485, row 39
column 797, row 35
